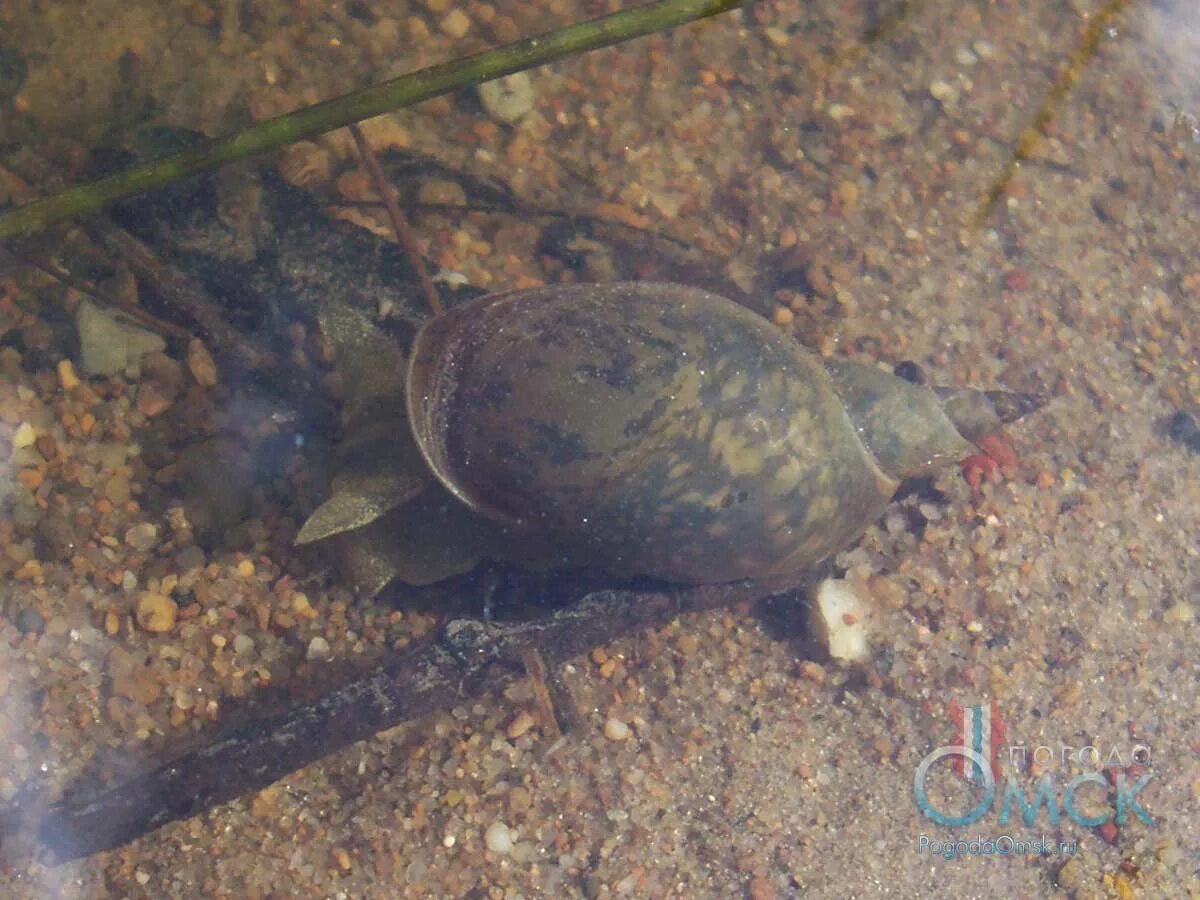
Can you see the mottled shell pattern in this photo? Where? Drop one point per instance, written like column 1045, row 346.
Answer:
column 655, row 429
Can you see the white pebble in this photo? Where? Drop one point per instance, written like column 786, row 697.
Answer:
column 24, row 436
column 318, row 648
column 964, row 57
column 507, row 99
column 456, row 24
column 943, row 92
column 838, row 617
column 983, row 49
column 615, row 729
column 498, row 838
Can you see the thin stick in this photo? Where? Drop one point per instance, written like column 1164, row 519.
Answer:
column 362, row 104
column 466, row 657
column 404, row 234
column 185, row 294
column 535, row 672
column 1081, row 56
column 86, row 287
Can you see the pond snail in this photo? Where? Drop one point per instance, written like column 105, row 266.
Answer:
column 655, row 430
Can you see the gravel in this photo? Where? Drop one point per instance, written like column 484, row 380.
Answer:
column 1066, row 592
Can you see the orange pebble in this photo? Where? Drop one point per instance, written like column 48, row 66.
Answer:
column 31, row 478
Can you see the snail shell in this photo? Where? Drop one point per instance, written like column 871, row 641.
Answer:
column 655, row 429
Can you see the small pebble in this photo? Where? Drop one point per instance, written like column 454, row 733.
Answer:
column 155, row 612
column 242, row 644
column 943, row 92
column 498, row 838
column 108, row 343
column 777, row 36
column 910, row 372
column 189, row 558
column 983, row 49
column 760, row 889
column 200, row 364
column 1180, row 613
column 1181, row 427
column 456, row 24
column 24, row 436
column 153, row 399
column 301, row 606
column 519, row 725
column 117, row 489
column 615, row 729
column 318, row 648
column 507, row 99
column 142, row 536
column 524, row 852
column 837, row 617
column 441, row 192
column 66, row 375
column 47, row 446
column 813, row 671
column 520, row 800
column 965, row 57
column 30, row 621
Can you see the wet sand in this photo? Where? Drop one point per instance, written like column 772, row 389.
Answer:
column 781, row 139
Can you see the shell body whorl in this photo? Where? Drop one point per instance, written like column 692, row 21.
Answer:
column 646, row 429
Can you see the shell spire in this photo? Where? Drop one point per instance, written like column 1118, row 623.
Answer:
column 976, row 414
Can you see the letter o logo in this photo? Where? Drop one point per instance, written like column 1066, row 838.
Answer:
column 971, row 816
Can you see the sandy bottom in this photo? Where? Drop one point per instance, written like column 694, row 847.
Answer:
column 849, row 149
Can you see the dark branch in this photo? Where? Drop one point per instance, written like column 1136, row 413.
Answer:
column 460, row 660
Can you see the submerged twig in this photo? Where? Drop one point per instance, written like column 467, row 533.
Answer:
column 362, row 104
column 463, row 658
column 61, row 275
column 187, row 296
column 404, row 234
column 1035, row 131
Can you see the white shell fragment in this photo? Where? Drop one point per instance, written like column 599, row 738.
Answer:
column 838, row 617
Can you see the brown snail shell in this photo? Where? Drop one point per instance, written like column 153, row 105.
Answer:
column 655, row 429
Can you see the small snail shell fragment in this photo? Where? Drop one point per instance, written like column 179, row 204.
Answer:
column 655, row 429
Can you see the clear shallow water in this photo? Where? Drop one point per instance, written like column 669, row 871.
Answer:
column 838, row 178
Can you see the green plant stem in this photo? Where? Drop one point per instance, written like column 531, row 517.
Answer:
column 362, row 104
